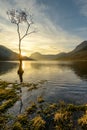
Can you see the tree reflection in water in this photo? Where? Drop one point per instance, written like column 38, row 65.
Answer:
column 20, row 73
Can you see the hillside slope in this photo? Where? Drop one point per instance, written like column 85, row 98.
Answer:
column 7, row 54
column 79, row 53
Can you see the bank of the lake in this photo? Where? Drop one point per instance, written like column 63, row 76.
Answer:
column 39, row 114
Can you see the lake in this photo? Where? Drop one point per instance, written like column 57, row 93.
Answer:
column 64, row 80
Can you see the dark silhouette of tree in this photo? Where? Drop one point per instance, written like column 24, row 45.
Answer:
column 18, row 17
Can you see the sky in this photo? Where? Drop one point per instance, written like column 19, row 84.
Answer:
column 61, row 25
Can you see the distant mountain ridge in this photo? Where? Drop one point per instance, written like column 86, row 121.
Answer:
column 7, row 54
column 39, row 56
column 79, row 53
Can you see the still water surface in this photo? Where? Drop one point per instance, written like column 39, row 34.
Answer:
column 65, row 80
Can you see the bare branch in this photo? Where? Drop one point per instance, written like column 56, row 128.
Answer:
column 28, row 27
column 27, row 34
column 31, row 32
column 23, row 36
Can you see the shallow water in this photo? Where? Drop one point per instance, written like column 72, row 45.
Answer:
column 65, row 81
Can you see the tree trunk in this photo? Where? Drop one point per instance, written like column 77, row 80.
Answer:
column 20, row 71
column 20, row 56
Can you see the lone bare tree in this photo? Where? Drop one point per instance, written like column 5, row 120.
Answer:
column 18, row 17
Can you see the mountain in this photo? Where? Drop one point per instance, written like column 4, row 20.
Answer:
column 7, row 54
column 38, row 56
column 81, row 47
column 79, row 53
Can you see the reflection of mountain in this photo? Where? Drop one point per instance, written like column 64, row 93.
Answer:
column 79, row 68
column 7, row 66
column 79, row 53
column 39, row 65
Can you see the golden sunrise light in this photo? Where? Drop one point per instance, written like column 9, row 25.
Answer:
column 23, row 53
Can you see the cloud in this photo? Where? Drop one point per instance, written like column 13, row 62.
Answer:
column 82, row 4
column 50, row 37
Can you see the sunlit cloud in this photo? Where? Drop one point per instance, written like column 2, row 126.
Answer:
column 50, row 37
